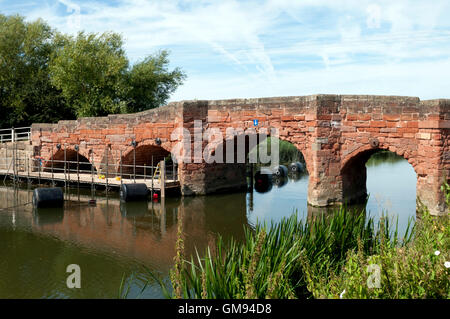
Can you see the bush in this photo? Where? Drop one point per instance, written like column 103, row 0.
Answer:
column 416, row 270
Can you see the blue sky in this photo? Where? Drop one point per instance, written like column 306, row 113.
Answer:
column 246, row 49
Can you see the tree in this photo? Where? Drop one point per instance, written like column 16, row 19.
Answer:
column 151, row 83
column 47, row 76
column 26, row 94
column 94, row 75
column 91, row 72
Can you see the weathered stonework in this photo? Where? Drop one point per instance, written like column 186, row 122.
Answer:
column 21, row 150
column 335, row 133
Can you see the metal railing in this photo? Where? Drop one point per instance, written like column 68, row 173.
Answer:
column 91, row 172
column 15, row 134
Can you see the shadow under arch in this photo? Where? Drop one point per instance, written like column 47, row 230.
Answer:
column 237, row 154
column 74, row 162
column 140, row 159
column 244, row 145
column 354, row 172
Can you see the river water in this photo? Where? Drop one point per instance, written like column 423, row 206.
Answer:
column 113, row 241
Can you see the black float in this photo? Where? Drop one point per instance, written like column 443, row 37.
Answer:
column 133, row 192
column 280, row 171
column 134, row 209
column 263, row 181
column 296, row 167
column 279, row 181
column 48, row 197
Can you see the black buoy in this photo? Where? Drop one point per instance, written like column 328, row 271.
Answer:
column 133, row 192
column 279, row 181
column 263, row 181
column 263, row 187
column 280, row 171
column 44, row 216
column 134, row 209
column 296, row 167
column 48, row 197
column 263, row 177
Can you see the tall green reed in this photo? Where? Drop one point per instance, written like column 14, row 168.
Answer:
column 268, row 263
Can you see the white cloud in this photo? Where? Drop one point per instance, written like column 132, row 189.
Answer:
column 409, row 79
column 373, row 16
column 254, row 48
column 74, row 20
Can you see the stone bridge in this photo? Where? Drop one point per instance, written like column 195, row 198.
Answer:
column 335, row 133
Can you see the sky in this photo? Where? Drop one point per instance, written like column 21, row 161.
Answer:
column 250, row 49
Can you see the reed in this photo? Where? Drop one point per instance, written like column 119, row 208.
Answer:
column 268, row 263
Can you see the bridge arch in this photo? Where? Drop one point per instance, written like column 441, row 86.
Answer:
column 254, row 140
column 71, row 157
column 354, row 171
column 232, row 174
column 142, row 156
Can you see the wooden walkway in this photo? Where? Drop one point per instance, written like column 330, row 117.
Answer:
column 89, row 179
column 24, row 167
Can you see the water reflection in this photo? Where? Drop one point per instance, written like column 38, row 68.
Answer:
column 108, row 239
column 43, row 216
column 280, row 181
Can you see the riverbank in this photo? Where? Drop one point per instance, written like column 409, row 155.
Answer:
column 338, row 256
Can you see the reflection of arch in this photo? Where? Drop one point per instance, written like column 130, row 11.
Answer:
column 354, row 172
column 143, row 156
column 71, row 156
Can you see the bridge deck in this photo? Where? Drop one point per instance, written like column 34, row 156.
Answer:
column 89, row 179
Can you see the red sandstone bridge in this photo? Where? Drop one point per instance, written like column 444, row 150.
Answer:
column 335, row 133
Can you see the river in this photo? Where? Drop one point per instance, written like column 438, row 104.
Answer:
column 111, row 241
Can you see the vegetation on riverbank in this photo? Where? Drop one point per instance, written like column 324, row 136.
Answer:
column 288, row 152
column 339, row 255
column 417, row 269
column 271, row 262
column 384, row 156
column 342, row 255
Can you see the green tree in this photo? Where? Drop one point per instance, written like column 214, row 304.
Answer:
column 151, row 83
column 26, row 94
column 47, row 76
column 91, row 72
column 94, row 75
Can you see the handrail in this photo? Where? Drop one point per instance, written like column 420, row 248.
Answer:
column 70, row 171
column 15, row 128
column 7, row 162
column 15, row 134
